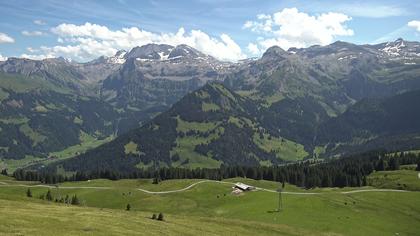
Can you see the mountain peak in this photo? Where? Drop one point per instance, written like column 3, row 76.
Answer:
column 120, row 53
column 118, row 58
column 394, row 48
column 274, row 52
column 185, row 51
column 399, row 40
column 149, row 52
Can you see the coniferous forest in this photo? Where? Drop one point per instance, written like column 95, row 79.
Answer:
column 344, row 172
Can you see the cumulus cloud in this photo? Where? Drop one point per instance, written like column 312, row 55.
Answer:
column 39, row 22
column 88, row 41
column 32, row 33
column 264, row 24
column 414, row 24
column 292, row 28
column 4, row 38
column 253, row 49
column 2, row 58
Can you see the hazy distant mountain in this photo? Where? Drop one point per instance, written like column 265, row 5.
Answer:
column 154, row 77
column 296, row 91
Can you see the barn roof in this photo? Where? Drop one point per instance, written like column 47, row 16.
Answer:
column 243, row 186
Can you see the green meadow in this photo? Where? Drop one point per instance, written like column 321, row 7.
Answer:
column 209, row 208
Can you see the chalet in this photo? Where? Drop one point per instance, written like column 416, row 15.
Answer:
column 244, row 187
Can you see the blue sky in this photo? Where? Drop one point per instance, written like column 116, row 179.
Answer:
column 226, row 29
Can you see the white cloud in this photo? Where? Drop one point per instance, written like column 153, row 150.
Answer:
column 414, row 24
column 4, row 38
column 2, row 58
column 39, row 22
column 253, row 49
column 88, row 41
column 291, row 28
column 264, row 24
column 36, row 56
column 32, row 33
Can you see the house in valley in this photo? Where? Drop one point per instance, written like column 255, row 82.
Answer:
column 244, row 187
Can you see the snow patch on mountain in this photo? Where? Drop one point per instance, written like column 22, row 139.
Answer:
column 118, row 58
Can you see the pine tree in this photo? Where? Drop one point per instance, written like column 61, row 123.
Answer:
column 154, row 217
column 29, row 193
column 394, row 164
column 128, row 207
column 382, row 165
column 49, row 197
column 75, row 200
column 160, row 217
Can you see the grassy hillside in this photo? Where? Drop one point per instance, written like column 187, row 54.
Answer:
column 330, row 211
column 389, row 123
column 38, row 119
column 400, row 179
column 87, row 142
column 24, row 218
column 207, row 128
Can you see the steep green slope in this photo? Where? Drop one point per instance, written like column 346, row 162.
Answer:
column 37, row 118
column 55, row 71
column 303, row 88
column 208, row 127
column 389, row 123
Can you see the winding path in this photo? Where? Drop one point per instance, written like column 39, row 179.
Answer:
column 376, row 190
column 3, row 184
column 184, row 189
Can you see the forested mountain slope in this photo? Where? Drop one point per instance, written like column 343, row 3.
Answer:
column 208, row 127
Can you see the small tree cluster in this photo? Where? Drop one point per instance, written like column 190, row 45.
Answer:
column 4, row 172
column 74, row 200
column 159, row 217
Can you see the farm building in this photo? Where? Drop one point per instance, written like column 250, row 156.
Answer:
column 244, row 187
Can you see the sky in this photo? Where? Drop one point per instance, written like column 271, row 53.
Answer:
column 229, row 30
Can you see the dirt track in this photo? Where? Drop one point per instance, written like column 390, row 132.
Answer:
column 3, row 184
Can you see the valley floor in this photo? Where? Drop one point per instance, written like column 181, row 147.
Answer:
column 204, row 207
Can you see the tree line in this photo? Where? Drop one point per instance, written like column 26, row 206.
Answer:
column 74, row 200
column 344, row 172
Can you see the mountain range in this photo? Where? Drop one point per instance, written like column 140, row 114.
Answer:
column 175, row 106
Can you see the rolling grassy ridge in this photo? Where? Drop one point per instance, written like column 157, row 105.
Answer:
column 24, row 219
column 401, row 179
column 211, row 208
